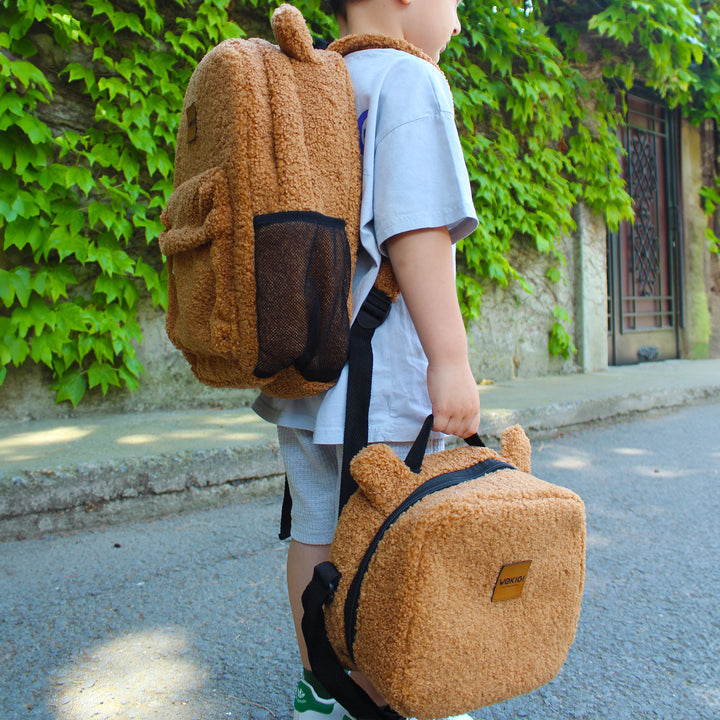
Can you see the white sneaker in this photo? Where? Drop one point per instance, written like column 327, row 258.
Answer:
column 308, row 706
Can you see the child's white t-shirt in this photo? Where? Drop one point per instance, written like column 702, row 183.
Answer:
column 414, row 177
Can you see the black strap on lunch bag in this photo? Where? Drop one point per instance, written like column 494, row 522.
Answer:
column 324, row 662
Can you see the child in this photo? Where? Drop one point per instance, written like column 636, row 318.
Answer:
column 416, row 202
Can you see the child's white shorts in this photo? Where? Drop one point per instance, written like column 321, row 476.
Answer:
column 313, row 473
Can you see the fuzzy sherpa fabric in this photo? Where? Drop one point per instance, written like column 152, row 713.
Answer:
column 353, row 43
column 264, row 129
column 429, row 635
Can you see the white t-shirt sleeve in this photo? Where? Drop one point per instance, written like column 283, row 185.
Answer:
column 420, row 178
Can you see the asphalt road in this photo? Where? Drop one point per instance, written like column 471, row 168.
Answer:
column 185, row 618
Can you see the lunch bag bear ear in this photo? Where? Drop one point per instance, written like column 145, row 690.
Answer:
column 460, row 585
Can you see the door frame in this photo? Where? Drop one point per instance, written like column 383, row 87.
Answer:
column 625, row 338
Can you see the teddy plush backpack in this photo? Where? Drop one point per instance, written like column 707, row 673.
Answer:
column 455, row 580
column 262, row 226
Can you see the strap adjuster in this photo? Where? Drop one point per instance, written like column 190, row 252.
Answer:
column 374, row 310
column 327, row 577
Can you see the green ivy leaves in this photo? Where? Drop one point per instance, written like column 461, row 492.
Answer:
column 79, row 208
column 533, row 145
column 540, row 127
column 80, row 203
column 668, row 32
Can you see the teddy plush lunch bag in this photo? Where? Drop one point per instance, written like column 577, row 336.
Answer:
column 455, row 580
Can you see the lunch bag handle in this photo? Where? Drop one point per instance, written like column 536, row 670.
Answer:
column 415, row 457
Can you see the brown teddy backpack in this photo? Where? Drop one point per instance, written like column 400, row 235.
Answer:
column 262, row 226
column 455, row 580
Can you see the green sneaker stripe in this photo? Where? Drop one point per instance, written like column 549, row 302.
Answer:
column 305, row 701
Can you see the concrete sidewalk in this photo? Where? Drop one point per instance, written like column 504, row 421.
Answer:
column 92, row 470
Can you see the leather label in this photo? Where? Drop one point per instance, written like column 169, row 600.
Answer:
column 511, row 580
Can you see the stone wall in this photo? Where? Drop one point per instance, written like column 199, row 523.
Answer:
column 695, row 331
column 510, row 338
column 167, row 383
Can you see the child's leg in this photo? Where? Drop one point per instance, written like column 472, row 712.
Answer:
column 302, row 559
column 313, row 472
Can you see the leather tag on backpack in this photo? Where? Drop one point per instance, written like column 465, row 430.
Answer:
column 511, row 579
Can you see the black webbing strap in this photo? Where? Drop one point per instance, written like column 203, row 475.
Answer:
column 372, row 314
column 415, row 457
column 286, row 512
column 323, row 660
column 416, row 454
column 475, row 441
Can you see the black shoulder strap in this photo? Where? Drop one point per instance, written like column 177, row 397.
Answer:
column 372, row 314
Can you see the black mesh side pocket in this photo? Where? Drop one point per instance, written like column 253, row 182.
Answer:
column 302, row 276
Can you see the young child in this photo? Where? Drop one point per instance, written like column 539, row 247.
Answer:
column 416, row 202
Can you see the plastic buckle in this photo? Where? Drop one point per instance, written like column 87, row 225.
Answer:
column 374, row 310
column 327, row 576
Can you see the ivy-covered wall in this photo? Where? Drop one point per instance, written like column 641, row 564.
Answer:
column 91, row 97
column 91, row 91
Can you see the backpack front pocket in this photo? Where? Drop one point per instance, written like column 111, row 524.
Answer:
column 201, row 317
column 302, row 278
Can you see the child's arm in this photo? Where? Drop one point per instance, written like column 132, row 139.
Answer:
column 423, row 264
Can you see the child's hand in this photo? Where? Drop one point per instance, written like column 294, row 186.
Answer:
column 455, row 399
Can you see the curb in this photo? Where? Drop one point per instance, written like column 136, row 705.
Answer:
column 97, row 494
column 60, row 497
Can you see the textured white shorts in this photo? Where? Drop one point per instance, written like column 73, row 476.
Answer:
column 313, row 473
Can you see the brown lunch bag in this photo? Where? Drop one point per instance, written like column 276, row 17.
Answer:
column 455, row 580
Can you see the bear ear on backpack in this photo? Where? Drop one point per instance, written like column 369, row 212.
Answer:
column 516, row 447
column 291, row 33
column 383, row 477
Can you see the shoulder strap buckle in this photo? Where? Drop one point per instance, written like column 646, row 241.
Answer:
column 374, row 310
